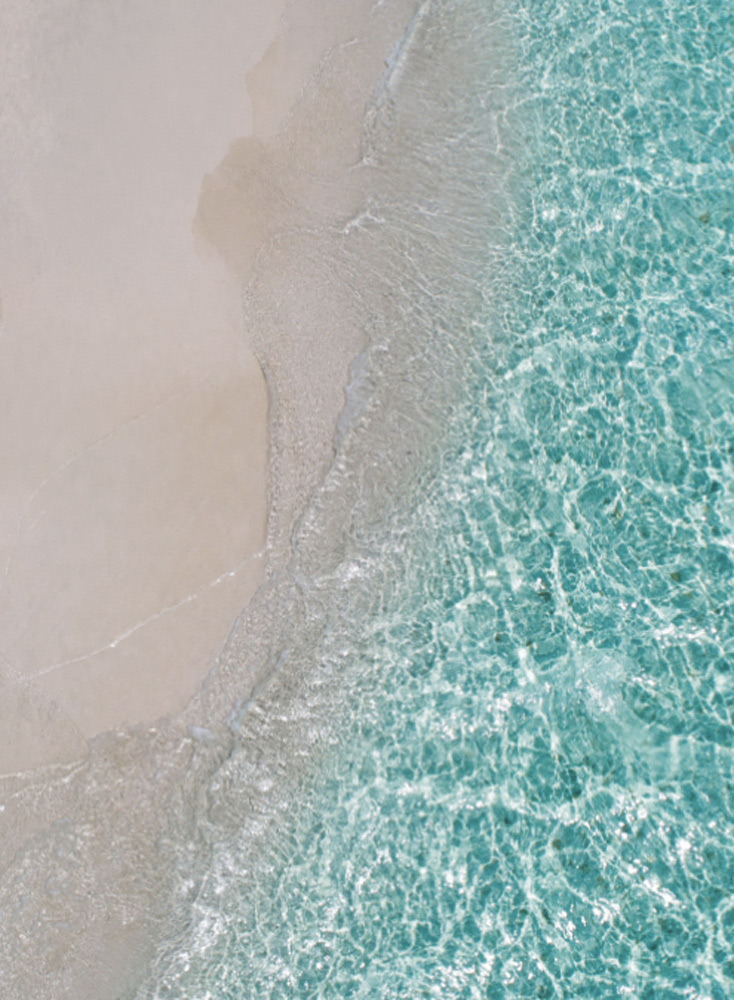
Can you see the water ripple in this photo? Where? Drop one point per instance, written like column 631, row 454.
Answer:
column 534, row 794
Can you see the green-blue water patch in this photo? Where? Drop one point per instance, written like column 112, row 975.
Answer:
column 533, row 795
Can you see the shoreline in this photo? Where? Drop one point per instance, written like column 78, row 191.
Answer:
column 87, row 807
column 136, row 430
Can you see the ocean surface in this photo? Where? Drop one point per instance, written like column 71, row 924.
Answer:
column 517, row 690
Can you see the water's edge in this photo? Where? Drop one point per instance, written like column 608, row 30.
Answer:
column 124, row 840
column 529, row 793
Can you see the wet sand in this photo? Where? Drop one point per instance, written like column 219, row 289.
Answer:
column 173, row 358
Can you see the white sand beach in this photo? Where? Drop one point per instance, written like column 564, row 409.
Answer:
column 133, row 427
column 158, row 437
column 146, row 162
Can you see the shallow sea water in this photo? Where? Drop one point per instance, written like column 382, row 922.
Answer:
column 530, row 792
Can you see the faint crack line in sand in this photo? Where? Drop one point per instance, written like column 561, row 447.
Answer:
column 106, row 437
column 147, row 621
column 71, row 768
column 24, row 529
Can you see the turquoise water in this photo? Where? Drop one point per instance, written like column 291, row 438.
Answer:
column 531, row 790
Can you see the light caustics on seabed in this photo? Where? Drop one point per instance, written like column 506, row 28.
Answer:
column 529, row 789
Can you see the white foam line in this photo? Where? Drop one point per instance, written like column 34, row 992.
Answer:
column 147, row 621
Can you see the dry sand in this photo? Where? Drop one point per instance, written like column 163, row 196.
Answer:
column 133, row 423
column 133, row 418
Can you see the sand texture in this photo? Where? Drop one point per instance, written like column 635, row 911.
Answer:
column 176, row 340
column 134, row 417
